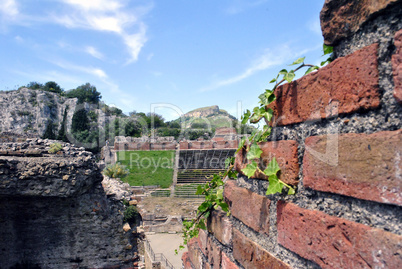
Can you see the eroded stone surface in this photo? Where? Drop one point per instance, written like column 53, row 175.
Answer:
column 54, row 212
column 342, row 18
column 397, row 66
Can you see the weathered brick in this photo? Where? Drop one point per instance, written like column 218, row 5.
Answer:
column 227, row 263
column 214, row 254
column 251, row 255
column 397, row 66
column 346, row 85
column 220, row 226
column 285, row 153
column 333, row 242
column 342, row 18
column 186, row 261
column 202, row 241
column 195, row 254
column 358, row 165
column 250, row 208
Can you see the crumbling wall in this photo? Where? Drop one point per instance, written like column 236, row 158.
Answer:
column 337, row 136
column 54, row 212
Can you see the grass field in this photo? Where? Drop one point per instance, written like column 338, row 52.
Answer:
column 148, row 167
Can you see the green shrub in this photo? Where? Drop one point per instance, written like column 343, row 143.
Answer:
column 130, row 213
column 115, row 171
column 55, row 147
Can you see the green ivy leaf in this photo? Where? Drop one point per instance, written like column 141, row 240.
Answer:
column 266, row 132
column 232, row 174
column 275, row 186
column 204, row 206
column 272, row 168
column 254, row 152
column 241, row 144
column 327, row 49
column 289, row 76
column 256, row 115
column 219, row 194
column 245, row 117
column 267, row 97
column 291, row 191
column 311, row 69
column 229, row 161
column 199, row 190
column 268, row 113
column 224, row 206
column 283, row 72
column 298, row 61
column 250, row 169
column 201, row 225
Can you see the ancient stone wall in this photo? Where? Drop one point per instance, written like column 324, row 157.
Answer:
column 225, row 138
column 54, row 212
column 338, row 138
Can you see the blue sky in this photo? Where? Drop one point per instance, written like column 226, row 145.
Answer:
column 162, row 56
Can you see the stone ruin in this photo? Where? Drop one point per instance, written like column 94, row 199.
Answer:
column 224, row 138
column 54, row 212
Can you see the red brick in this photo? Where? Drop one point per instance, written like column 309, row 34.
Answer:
column 340, row 18
column 368, row 166
column 346, row 85
column 186, row 260
column 220, row 226
column 227, row 263
column 202, row 241
column 251, row 255
column 250, row 208
column 195, row 254
column 333, row 242
column 285, row 153
column 214, row 254
column 397, row 66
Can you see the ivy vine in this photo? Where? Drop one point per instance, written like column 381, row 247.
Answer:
column 213, row 190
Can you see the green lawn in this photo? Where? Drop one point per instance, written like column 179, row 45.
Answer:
column 148, row 167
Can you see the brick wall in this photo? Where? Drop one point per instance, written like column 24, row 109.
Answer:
column 338, row 137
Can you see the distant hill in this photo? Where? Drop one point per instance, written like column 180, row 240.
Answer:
column 210, row 117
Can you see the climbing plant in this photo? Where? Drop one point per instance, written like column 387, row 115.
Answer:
column 213, row 190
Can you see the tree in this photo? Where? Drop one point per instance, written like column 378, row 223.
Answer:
column 85, row 93
column 62, row 131
column 49, row 132
column 173, row 124
column 132, row 128
column 156, row 120
column 52, row 86
column 80, row 121
column 34, row 85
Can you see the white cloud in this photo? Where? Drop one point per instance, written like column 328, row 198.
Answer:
column 110, row 16
column 96, row 5
column 268, row 59
column 282, row 54
column 113, row 16
column 19, row 39
column 135, row 42
column 9, row 8
column 94, row 52
column 97, row 72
